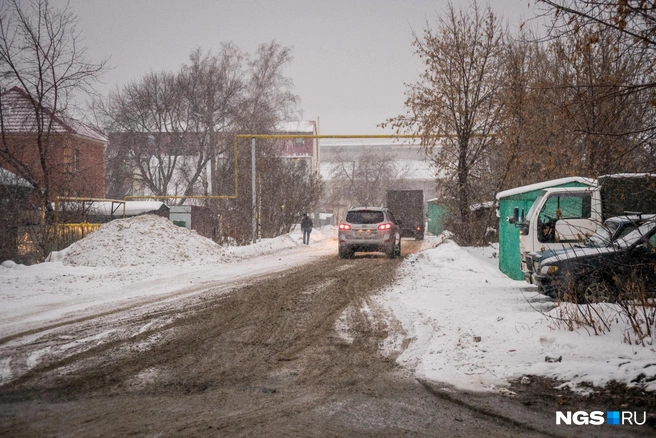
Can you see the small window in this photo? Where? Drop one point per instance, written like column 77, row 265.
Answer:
column 71, row 160
column 76, row 160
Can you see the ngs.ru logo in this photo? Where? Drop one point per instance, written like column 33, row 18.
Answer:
column 597, row 418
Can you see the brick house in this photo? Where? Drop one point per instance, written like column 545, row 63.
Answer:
column 75, row 154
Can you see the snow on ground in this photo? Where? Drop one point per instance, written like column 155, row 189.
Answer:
column 137, row 259
column 474, row 328
column 469, row 325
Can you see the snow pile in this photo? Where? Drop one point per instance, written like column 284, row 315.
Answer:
column 474, row 328
column 155, row 241
column 11, row 264
column 141, row 240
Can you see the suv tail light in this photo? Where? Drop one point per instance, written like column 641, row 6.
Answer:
column 385, row 226
column 419, row 228
column 344, row 227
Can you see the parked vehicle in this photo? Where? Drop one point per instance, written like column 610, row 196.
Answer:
column 563, row 217
column 613, row 228
column 408, row 206
column 592, row 274
column 369, row 229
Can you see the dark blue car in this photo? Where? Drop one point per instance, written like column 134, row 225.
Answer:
column 591, row 274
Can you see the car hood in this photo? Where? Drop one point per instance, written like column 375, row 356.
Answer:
column 546, row 254
column 577, row 253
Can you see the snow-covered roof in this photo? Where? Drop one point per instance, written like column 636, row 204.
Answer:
column 8, row 178
column 629, row 175
column 482, row 205
column 297, row 126
column 133, row 208
column 18, row 118
column 546, row 185
column 356, row 142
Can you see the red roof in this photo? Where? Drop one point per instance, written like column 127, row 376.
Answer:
column 18, row 117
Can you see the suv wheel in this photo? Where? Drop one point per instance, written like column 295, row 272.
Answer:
column 345, row 253
column 595, row 291
column 395, row 249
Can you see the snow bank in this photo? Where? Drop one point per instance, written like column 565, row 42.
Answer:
column 280, row 243
column 472, row 327
column 142, row 240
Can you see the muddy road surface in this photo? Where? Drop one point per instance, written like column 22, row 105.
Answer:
column 292, row 354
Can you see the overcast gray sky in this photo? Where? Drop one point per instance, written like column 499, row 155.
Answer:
column 351, row 57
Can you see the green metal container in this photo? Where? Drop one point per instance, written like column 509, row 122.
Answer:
column 437, row 213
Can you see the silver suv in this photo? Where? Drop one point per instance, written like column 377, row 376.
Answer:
column 368, row 229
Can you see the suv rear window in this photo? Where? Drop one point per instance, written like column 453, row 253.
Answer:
column 364, row 217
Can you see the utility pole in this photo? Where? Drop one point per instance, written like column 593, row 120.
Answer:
column 253, row 189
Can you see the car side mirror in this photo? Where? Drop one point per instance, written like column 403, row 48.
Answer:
column 515, row 217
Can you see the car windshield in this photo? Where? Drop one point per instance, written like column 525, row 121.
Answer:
column 599, row 239
column 364, row 217
column 635, row 235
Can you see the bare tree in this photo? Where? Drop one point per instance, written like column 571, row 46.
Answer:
column 177, row 129
column 267, row 100
column 214, row 87
column 168, row 125
column 634, row 19
column 632, row 25
column 457, row 97
column 606, row 122
column 269, row 97
column 287, row 188
column 564, row 113
column 526, row 129
column 364, row 178
column 40, row 55
column 566, row 109
column 150, row 120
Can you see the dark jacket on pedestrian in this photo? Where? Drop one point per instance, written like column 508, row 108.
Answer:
column 306, row 223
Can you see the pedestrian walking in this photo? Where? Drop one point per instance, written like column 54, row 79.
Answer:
column 306, row 227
